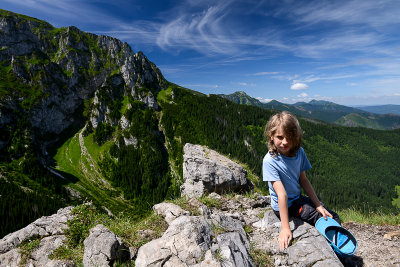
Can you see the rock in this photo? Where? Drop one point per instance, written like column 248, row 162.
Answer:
column 392, row 235
column 131, row 141
column 308, row 248
column 209, row 261
column 124, row 122
column 234, row 250
column 195, row 240
column 40, row 256
column 44, row 226
column 187, row 237
column 232, row 244
column 102, row 247
column 10, row 258
column 204, row 170
column 169, row 211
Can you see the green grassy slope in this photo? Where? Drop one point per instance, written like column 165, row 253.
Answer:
column 79, row 156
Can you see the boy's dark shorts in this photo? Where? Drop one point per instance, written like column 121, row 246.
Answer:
column 304, row 209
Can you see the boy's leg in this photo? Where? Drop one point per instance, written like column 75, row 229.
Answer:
column 310, row 214
column 293, row 209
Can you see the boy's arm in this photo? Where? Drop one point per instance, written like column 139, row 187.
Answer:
column 305, row 183
column 285, row 236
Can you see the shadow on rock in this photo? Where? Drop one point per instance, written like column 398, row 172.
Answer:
column 354, row 261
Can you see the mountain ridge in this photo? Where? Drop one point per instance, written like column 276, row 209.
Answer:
column 325, row 111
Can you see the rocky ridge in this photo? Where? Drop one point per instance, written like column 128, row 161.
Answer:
column 227, row 232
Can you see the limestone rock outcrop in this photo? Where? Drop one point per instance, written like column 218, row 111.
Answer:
column 169, row 211
column 103, row 247
column 51, row 231
column 197, row 240
column 44, row 226
column 205, row 170
column 308, row 248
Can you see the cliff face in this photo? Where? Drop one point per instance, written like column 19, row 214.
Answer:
column 48, row 73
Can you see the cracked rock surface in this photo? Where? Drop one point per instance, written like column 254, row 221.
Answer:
column 102, row 247
column 49, row 229
column 205, row 170
column 44, row 226
column 309, row 247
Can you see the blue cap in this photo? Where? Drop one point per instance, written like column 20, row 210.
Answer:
column 341, row 240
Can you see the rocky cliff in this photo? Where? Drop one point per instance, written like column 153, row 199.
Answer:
column 54, row 71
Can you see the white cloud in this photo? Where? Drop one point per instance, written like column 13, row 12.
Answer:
column 302, row 95
column 264, row 100
column 299, row 86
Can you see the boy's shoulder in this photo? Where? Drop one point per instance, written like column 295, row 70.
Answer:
column 270, row 158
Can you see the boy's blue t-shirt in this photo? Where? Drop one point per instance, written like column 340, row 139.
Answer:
column 287, row 170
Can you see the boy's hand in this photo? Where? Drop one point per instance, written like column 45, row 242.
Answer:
column 285, row 237
column 321, row 210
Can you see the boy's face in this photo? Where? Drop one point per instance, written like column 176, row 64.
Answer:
column 282, row 143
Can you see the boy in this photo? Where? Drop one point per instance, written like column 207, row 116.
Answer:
column 284, row 168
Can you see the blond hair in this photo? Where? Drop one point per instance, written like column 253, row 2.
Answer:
column 289, row 124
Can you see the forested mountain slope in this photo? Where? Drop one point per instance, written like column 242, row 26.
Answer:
column 83, row 117
column 351, row 166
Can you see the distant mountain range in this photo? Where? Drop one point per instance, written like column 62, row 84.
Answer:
column 383, row 109
column 376, row 117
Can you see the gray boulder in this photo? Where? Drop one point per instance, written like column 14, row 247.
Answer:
column 185, row 242
column 102, row 247
column 198, row 241
column 309, row 247
column 169, row 211
column 205, row 170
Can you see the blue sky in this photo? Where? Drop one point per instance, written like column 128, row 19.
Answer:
column 346, row 51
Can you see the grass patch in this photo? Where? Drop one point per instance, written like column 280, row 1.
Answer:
column 134, row 233
column 74, row 254
column 164, row 95
column 69, row 159
column 376, row 218
column 261, row 215
column 183, row 202
column 125, row 105
column 261, row 258
column 219, row 256
column 211, row 202
column 218, row 229
column 86, row 216
column 26, row 248
column 248, row 229
column 137, row 233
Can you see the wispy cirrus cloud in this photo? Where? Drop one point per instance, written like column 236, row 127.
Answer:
column 265, row 73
